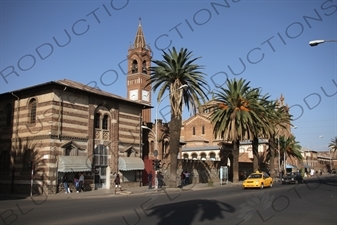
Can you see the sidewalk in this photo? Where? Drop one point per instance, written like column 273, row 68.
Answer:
column 103, row 193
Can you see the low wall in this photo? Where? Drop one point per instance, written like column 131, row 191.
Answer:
column 201, row 171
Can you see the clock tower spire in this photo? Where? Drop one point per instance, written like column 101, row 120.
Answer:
column 139, row 62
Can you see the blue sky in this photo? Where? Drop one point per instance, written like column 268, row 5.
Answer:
column 264, row 42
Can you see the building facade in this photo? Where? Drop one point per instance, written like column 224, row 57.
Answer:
column 95, row 132
column 67, row 127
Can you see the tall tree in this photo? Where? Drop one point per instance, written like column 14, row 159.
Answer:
column 279, row 120
column 233, row 114
column 175, row 70
column 289, row 147
column 333, row 144
column 261, row 127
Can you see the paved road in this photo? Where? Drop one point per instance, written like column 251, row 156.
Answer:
column 311, row 203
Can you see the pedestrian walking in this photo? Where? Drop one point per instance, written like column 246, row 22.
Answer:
column 182, row 178
column 118, row 183
column 161, row 182
column 77, row 183
column 150, row 180
column 65, row 183
column 187, row 177
column 81, row 182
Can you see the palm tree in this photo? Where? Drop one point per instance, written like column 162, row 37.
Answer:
column 233, row 115
column 177, row 69
column 333, row 144
column 280, row 122
column 262, row 127
column 289, row 147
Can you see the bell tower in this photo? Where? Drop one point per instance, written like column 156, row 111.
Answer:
column 139, row 62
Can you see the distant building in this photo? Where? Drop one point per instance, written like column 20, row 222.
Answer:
column 200, row 144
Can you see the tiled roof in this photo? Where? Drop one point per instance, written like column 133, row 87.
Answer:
column 84, row 87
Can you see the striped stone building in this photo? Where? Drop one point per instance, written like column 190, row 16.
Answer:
column 67, row 127
column 64, row 126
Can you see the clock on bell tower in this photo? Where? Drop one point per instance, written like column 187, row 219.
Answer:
column 139, row 62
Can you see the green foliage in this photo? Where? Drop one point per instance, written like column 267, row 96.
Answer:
column 290, row 147
column 333, row 144
column 170, row 74
column 210, row 184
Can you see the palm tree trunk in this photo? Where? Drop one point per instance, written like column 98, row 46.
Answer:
column 175, row 128
column 255, row 146
column 236, row 146
column 271, row 143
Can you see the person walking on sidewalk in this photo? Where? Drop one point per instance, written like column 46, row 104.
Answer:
column 81, row 180
column 117, row 183
column 182, row 177
column 187, row 177
column 77, row 183
column 65, row 183
column 150, row 180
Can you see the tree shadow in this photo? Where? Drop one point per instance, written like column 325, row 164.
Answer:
column 189, row 211
column 34, row 167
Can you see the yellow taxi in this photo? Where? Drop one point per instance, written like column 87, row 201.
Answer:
column 258, row 180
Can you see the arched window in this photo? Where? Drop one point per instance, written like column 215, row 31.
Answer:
column 185, row 156
column 97, row 120
column 105, row 122
column 71, row 151
column 203, row 156
column 144, row 67
column 203, row 129
column 8, row 111
column 134, row 68
column 165, row 146
column 212, row 156
column 194, row 156
column 193, row 130
column 32, row 111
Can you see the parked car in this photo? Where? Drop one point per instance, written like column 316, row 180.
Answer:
column 258, row 180
column 292, row 178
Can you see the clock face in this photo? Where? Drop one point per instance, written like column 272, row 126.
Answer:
column 145, row 95
column 134, row 95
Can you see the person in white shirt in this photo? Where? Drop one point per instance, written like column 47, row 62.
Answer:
column 81, row 180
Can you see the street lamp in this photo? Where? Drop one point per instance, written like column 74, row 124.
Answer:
column 279, row 157
column 156, row 131
column 284, row 155
column 330, row 159
column 317, row 42
column 308, row 161
column 155, row 155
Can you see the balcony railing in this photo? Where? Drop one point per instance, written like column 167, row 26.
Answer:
column 102, row 134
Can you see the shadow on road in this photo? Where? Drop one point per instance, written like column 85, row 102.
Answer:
column 189, row 212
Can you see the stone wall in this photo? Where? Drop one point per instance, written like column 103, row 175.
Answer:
column 201, row 171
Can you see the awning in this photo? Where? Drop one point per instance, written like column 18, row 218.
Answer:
column 288, row 166
column 73, row 164
column 130, row 163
